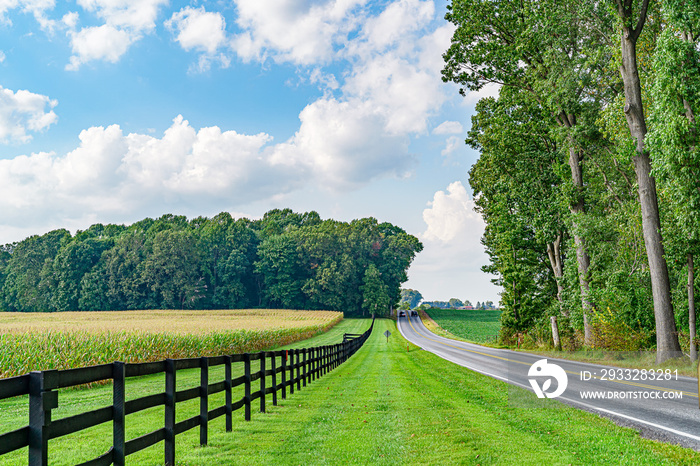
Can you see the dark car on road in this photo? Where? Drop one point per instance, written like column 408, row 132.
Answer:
column 402, row 314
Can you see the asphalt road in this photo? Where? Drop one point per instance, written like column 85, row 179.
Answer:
column 665, row 408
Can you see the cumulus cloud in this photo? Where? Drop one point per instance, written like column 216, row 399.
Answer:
column 98, row 43
column 37, row 8
column 111, row 174
column 394, row 65
column 451, row 216
column 202, row 31
column 453, row 254
column 303, row 33
column 344, row 143
column 449, row 127
column 125, row 22
column 23, row 112
column 198, row 29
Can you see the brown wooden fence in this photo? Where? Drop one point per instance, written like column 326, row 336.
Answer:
column 286, row 368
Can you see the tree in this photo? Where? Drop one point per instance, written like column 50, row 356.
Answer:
column 550, row 50
column 523, row 213
column 72, row 262
column 375, row 296
column 412, row 297
column 673, row 137
column 632, row 18
column 283, row 278
column 28, row 274
column 173, row 270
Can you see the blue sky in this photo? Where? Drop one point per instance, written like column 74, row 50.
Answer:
column 116, row 110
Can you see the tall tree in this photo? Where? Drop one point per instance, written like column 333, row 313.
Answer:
column 632, row 17
column 544, row 48
column 375, row 295
column 674, row 134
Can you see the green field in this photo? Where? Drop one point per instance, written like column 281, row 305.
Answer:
column 390, row 406
column 470, row 325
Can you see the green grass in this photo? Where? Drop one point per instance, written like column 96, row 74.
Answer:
column 471, row 325
column 387, row 406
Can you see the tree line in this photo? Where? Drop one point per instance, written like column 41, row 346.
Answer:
column 589, row 173
column 284, row 260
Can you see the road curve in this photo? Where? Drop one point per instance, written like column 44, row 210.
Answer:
column 665, row 410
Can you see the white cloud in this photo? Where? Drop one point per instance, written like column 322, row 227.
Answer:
column 489, row 90
column 2, row 56
column 344, row 144
column 70, row 20
column 202, row 31
column 37, row 8
column 198, row 29
column 98, row 43
column 112, row 175
column 391, row 27
column 394, row 65
column 23, row 112
column 125, row 22
column 303, row 33
column 452, row 144
column 135, row 15
column 452, row 256
column 449, row 127
column 451, row 216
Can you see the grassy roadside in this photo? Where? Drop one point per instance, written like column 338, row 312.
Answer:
column 388, row 406
column 475, row 327
column 95, row 441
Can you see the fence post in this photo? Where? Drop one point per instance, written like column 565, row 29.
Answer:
column 313, row 366
column 227, row 387
column 305, row 367
column 42, row 399
column 284, row 374
column 118, row 424
column 273, row 368
column 298, row 353
column 325, row 360
column 246, row 396
column 170, row 402
column 292, row 366
column 203, row 400
column 262, row 381
column 319, row 364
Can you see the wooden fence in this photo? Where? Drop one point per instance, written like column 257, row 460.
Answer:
column 293, row 368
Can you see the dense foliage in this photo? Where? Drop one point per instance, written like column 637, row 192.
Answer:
column 589, row 173
column 284, row 260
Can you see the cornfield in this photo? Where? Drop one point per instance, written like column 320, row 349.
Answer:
column 67, row 340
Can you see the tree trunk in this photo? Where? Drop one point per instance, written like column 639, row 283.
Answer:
column 577, row 208
column 554, row 253
column 667, row 345
column 691, row 308
column 555, row 333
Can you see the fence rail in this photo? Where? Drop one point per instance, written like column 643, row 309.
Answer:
column 296, row 367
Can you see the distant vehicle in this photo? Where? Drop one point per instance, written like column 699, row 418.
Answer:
column 402, row 314
column 414, row 313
